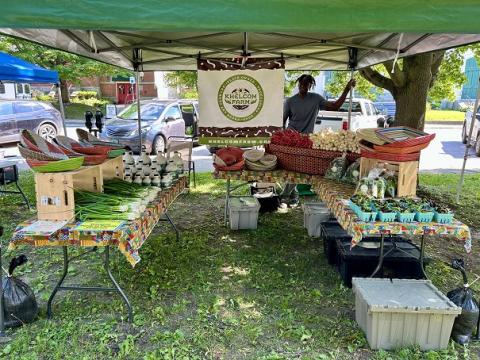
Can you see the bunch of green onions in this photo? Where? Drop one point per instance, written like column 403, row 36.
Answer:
column 120, row 201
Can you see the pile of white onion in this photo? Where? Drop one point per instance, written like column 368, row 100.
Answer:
column 342, row 140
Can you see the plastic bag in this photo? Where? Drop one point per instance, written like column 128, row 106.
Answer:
column 352, row 174
column 374, row 185
column 20, row 305
column 466, row 322
column 391, row 183
column 337, row 168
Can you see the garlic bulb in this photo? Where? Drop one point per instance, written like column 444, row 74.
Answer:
column 342, row 140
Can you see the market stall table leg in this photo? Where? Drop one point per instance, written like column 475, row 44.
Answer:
column 174, row 227
column 9, row 174
column 230, row 190
column 382, row 254
column 116, row 288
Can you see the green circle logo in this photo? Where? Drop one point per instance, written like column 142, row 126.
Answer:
column 240, row 98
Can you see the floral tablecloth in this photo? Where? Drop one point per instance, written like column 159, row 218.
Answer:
column 334, row 193
column 129, row 237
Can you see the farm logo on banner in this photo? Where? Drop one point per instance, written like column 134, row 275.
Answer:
column 240, row 98
column 240, row 107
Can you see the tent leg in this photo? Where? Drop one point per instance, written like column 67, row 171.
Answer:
column 137, row 74
column 62, row 110
column 350, row 102
column 469, row 145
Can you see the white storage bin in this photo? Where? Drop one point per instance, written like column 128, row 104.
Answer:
column 243, row 212
column 314, row 213
column 400, row 313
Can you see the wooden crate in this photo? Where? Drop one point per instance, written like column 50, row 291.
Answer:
column 406, row 172
column 55, row 191
column 112, row 168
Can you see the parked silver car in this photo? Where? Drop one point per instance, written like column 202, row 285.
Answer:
column 36, row 116
column 475, row 141
column 161, row 119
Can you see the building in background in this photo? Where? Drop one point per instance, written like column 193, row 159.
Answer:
column 472, row 72
column 118, row 89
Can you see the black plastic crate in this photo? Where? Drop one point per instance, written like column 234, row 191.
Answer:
column 330, row 231
column 361, row 262
column 268, row 203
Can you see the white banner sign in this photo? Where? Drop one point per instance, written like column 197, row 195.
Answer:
column 240, row 107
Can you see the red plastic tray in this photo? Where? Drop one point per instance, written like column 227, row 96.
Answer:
column 403, row 136
column 390, row 157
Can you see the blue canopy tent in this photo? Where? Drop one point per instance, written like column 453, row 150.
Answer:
column 15, row 69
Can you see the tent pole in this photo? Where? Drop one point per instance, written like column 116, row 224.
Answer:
column 62, row 110
column 468, row 146
column 137, row 74
column 350, row 101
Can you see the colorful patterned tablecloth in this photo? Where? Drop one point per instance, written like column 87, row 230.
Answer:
column 334, row 193
column 335, row 197
column 266, row 176
column 129, row 237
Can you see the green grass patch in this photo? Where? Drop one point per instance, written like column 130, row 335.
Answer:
column 443, row 188
column 444, row 115
column 216, row 294
column 77, row 111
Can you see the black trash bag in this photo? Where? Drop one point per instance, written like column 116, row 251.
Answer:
column 19, row 303
column 466, row 322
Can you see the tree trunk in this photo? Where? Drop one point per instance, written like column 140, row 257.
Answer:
column 411, row 102
column 409, row 85
column 64, row 89
column 411, row 98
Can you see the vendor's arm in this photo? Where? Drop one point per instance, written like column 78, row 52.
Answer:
column 286, row 112
column 335, row 105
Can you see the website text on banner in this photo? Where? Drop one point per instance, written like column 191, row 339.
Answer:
column 240, row 107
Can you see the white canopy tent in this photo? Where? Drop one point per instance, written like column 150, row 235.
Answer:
column 308, row 35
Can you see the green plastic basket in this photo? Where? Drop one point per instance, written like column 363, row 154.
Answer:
column 116, row 153
column 424, row 217
column 443, row 218
column 405, row 217
column 362, row 215
column 386, row 217
column 60, row 165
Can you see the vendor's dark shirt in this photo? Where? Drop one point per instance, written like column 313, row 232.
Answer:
column 302, row 112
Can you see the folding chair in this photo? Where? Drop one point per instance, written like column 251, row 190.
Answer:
column 183, row 145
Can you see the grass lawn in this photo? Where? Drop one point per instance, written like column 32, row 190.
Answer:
column 218, row 294
column 444, row 115
column 443, row 187
column 77, row 111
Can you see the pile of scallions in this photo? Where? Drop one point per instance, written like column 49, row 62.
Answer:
column 119, row 201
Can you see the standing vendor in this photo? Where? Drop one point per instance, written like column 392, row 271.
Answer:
column 301, row 111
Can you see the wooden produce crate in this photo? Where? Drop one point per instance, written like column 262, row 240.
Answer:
column 55, row 191
column 112, row 168
column 406, row 173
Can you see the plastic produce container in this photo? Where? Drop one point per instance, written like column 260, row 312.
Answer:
column 442, row 218
column 314, row 213
column 405, row 217
column 243, row 212
column 424, row 217
column 400, row 313
column 362, row 215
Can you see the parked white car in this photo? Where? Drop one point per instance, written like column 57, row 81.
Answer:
column 475, row 141
column 364, row 115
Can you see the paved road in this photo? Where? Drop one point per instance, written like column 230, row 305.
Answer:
column 445, row 153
